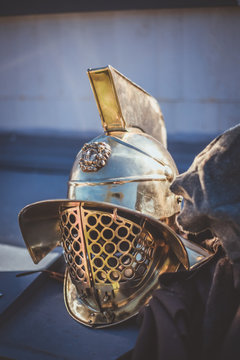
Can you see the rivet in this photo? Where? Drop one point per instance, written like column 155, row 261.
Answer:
column 179, row 199
column 106, row 298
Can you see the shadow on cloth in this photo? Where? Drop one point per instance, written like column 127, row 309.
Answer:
column 194, row 315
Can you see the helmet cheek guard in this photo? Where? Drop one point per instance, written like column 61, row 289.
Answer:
column 113, row 226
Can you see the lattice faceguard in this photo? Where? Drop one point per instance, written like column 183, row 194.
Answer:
column 114, row 255
column 114, row 258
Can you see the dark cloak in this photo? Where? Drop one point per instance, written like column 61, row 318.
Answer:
column 194, row 315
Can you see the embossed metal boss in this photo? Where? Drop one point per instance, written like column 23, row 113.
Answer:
column 94, row 156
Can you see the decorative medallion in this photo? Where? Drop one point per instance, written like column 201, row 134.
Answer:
column 94, row 156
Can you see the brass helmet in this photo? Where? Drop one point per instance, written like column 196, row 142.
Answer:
column 114, row 244
column 129, row 164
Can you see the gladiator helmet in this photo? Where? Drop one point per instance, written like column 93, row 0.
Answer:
column 116, row 226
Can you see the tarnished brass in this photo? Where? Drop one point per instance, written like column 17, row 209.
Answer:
column 114, row 225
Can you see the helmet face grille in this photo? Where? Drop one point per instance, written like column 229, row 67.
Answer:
column 114, row 249
column 103, row 248
column 114, row 257
column 73, row 244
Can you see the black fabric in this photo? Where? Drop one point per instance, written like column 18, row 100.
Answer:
column 194, row 315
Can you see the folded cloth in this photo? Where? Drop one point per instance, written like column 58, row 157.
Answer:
column 194, row 315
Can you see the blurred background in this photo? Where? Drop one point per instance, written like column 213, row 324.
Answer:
column 186, row 56
column 185, row 53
